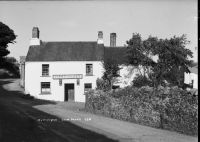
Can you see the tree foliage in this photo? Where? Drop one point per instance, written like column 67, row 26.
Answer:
column 11, row 65
column 6, row 36
column 173, row 57
column 139, row 53
column 111, row 68
column 102, row 85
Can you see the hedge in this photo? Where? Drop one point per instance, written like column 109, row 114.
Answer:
column 167, row 108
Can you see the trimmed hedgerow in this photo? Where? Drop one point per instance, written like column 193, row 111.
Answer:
column 181, row 112
column 168, row 108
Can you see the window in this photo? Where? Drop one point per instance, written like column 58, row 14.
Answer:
column 89, row 70
column 87, row 87
column 45, row 69
column 45, row 87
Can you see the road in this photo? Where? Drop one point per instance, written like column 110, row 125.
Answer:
column 21, row 122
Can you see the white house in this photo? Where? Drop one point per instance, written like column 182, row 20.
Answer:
column 63, row 71
column 192, row 77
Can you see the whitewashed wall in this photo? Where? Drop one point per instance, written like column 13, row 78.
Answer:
column 188, row 77
column 34, row 41
column 127, row 74
column 33, row 78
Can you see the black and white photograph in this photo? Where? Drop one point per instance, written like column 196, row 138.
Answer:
column 99, row 70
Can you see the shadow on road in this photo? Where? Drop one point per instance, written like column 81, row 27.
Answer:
column 19, row 94
column 19, row 121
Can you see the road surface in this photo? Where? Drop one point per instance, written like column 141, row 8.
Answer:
column 21, row 122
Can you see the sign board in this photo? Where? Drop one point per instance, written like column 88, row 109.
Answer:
column 68, row 76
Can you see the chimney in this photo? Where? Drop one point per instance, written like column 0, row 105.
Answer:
column 35, row 36
column 35, row 32
column 112, row 39
column 100, row 37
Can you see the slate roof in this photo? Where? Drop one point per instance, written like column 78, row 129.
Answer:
column 117, row 53
column 66, row 51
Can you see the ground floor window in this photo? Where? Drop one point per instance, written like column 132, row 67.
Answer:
column 87, row 87
column 45, row 87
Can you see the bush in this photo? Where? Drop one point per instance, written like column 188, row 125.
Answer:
column 102, row 84
column 96, row 101
column 181, row 111
column 168, row 108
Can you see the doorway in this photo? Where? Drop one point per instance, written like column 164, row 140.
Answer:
column 69, row 92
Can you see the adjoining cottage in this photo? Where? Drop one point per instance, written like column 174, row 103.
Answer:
column 191, row 79
column 63, row 71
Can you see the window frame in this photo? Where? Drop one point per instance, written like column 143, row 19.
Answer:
column 89, row 73
column 42, row 84
column 45, row 71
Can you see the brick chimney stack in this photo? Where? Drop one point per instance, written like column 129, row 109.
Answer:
column 35, row 36
column 35, row 32
column 100, row 37
column 113, row 39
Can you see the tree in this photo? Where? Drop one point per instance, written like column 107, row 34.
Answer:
column 111, row 72
column 12, row 66
column 171, row 64
column 6, row 36
column 139, row 53
column 172, row 58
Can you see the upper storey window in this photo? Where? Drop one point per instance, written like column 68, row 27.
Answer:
column 45, row 69
column 89, row 69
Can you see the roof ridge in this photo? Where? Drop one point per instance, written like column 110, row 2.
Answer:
column 66, row 51
column 66, row 41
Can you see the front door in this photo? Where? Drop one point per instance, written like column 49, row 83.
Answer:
column 69, row 92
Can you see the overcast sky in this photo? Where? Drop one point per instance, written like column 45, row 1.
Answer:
column 81, row 20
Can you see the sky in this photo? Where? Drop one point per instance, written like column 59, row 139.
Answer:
column 81, row 20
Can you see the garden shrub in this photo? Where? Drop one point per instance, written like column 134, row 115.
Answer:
column 168, row 108
column 97, row 101
column 181, row 111
column 136, row 101
column 102, row 84
column 118, row 111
